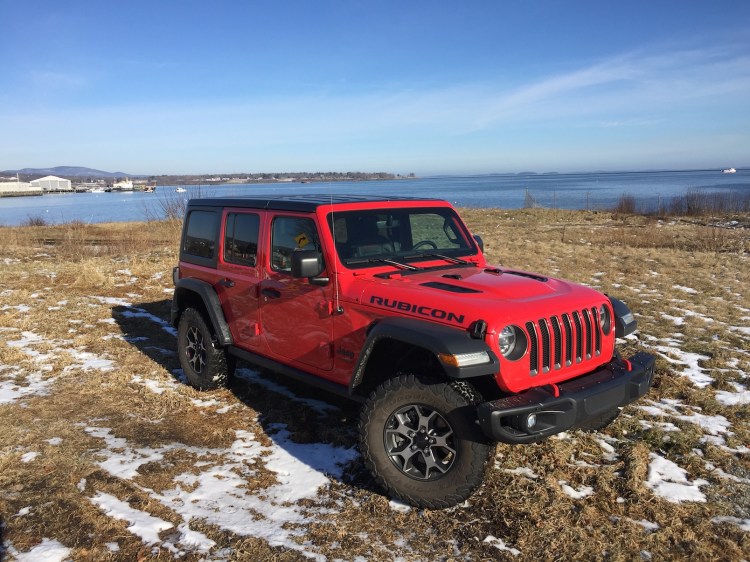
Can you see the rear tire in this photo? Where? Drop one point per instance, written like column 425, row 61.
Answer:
column 420, row 441
column 206, row 366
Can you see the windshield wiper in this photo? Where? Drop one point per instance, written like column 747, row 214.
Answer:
column 442, row 257
column 381, row 260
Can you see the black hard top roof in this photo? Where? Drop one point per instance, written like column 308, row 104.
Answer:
column 297, row 202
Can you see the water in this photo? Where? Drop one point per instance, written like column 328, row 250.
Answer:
column 563, row 191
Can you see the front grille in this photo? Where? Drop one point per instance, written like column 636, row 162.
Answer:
column 563, row 340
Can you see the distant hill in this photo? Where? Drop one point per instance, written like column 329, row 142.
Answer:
column 69, row 172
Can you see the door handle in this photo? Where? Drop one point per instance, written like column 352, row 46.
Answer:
column 270, row 293
column 226, row 283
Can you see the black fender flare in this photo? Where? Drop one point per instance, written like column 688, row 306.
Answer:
column 625, row 322
column 211, row 303
column 436, row 338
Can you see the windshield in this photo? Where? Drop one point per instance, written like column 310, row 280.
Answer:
column 405, row 235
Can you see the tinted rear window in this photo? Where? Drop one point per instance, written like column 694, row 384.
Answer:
column 199, row 234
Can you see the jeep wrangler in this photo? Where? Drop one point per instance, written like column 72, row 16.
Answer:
column 389, row 301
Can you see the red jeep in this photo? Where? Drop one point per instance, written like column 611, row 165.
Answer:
column 389, row 301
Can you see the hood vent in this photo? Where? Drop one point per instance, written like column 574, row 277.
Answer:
column 448, row 287
column 528, row 275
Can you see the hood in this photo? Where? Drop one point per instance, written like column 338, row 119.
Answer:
column 461, row 295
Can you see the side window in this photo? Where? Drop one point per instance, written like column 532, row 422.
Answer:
column 241, row 238
column 289, row 234
column 199, row 234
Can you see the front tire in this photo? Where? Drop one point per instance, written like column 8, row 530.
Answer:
column 206, row 367
column 420, row 441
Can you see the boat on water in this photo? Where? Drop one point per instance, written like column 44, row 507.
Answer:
column 149, row 189
column 124, row 185
column 729, row 171
column 96, row 190
column 180, row 190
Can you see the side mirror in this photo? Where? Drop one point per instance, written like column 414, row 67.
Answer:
column 479, row 242
column 307, row 263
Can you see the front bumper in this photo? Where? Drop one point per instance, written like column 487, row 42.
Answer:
column 567, row 404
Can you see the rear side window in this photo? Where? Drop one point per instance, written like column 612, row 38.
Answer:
column 241, row 238
column 200, row 230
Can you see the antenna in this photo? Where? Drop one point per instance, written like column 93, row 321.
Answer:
column 336, row 302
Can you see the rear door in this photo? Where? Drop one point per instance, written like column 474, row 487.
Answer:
column 240, row 275
column 295, row 316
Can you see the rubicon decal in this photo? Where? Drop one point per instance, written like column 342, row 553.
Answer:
column 403, row 306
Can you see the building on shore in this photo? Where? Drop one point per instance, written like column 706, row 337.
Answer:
column 52, row 184
column 15, row 188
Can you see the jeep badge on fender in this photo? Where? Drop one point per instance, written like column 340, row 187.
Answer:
column 389, row 301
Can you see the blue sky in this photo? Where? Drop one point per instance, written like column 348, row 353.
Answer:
column 397, row 86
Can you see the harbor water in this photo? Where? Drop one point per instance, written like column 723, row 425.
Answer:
column 507, row 191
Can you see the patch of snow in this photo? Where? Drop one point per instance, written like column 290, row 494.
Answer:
column 721, row 474
column 134, row 312
column 113, row 301
column 743, row 524
column 669, row 481
column 140, row 523
column 29, row 338
column 88, row 361
column 10, row 390
column 47, row 551
column 580, row 493
column 217, row 491
column 399, row 507
column 676, row 320
column 685, row 289
column 738, row 398
column 30, row 456
column 205, row 403
column 126, row 461
column 156, row 386
column 689, row 361
column 609, row 451
column 714, row 425
column 500, row 545
column 522, row 471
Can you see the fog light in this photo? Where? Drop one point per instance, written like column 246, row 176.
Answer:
column 531, row 421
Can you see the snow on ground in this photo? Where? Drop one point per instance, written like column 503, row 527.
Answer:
column 689, row 290
column 739, row 397
column 216, row 491
column 576, row 493
column 500, row 545
column 46, row 551
column 10, row 390
column 669, row 481
column 686, row 363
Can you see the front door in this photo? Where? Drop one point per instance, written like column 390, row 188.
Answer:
column 296, row 319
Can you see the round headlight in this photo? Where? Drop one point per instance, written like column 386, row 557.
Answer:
column 605, row 319
column 507, row 341
column 512, row 343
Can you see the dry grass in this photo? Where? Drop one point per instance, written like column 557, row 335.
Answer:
column 75, row 288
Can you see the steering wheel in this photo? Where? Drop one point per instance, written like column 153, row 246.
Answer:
column 418, row 245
